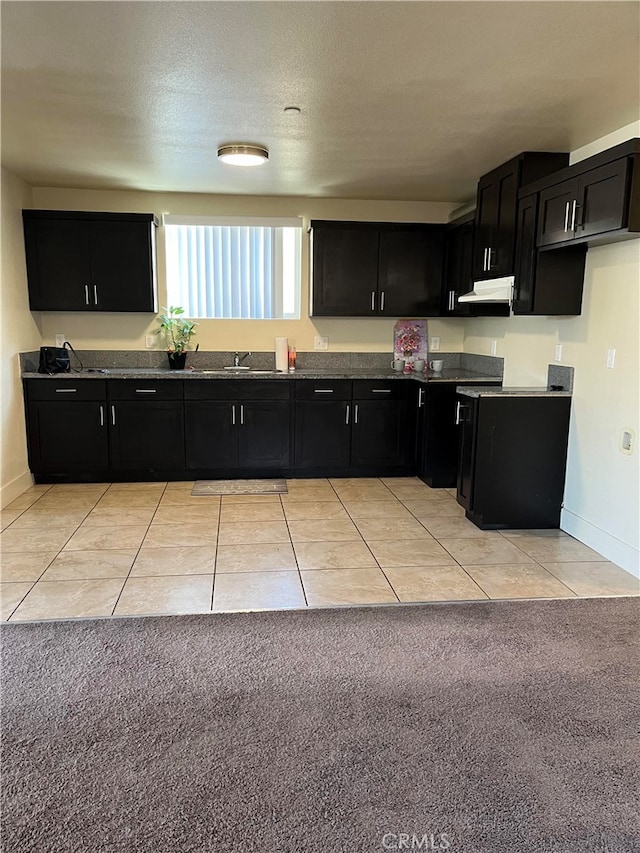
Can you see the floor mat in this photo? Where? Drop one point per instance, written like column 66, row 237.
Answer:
column 239, row 487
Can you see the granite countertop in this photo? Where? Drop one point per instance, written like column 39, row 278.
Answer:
column 455, row 374
column 513, row 391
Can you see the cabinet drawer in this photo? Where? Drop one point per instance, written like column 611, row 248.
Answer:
column 139, row 389
column 323, row 389
column 380, row 389
column 66, row 389
column 244, row 389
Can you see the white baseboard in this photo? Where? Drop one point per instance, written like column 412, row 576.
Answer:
column 10, row 491
column 618, row 552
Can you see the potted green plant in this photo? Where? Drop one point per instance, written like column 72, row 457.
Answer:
column 177, row 331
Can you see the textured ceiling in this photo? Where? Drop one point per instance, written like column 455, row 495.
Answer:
column 399, row 100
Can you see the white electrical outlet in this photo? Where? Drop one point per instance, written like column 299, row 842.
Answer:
column 558, row 352
column 494, row 347
column 60, row 339
column 435, row 344
column 149, row 341
column 611, row 359
column 628, row 441
column 320, row 342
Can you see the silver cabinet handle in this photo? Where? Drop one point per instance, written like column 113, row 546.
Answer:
column 373, row 300
column 485, row 265
column 86, row 294
column 241, row 414
column 66, row 390
column 113, row 415
column 323, row 390
column 489, row 251
column 458, row 412
column 566, row 217
column 420, row 397
column 381, row 390
column 95, row 294
column 573, row 214
column 382, row 301
column 347, row 412
column 452, row 300
column 355, row 413
column 146, row 390
column 101, row 416
column 233, row 414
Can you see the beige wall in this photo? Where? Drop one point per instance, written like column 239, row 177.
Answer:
column 602, row 492
column 128, row 332
column 19, row 332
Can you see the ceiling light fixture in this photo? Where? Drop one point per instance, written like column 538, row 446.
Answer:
column 241, row 154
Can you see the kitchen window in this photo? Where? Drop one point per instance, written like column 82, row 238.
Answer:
column 234, row 268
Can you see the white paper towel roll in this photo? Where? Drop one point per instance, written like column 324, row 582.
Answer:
column 282, row 354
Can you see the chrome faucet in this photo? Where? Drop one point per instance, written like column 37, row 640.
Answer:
column 237, row 359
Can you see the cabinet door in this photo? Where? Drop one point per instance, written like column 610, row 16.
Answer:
column 526, row 255
column 382, row 434
column 556, row 209
column 602, row 197
column 322, row 433
column 58, row 266
column 147, row 435
column 345, row 272
column 263, row 434
column 458, row 264
column 502, row 248
column 67, row 437
column 211, row 433
column 467, row 413
column 485, row 224
column 122, row 266
column 410, row 272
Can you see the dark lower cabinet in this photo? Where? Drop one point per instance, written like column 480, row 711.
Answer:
column 512, row 459
column 438, row 432
column 381, row 435
column 246, row 427
column 67, row 436
column 146, row 435
column 322, row 434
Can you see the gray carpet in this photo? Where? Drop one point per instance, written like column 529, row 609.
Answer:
column 497, row 726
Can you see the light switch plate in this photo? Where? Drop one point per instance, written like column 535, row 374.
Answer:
column 558, row 352
column 611, row 358
column 60, row 339
column 494, row 347
column 320, row 342
column 435, row 344
column 149, row 341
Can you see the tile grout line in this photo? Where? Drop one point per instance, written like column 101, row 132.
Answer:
column 215, row 561
column 293, row 548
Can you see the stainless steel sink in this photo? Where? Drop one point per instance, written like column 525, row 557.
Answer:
column 238, row 370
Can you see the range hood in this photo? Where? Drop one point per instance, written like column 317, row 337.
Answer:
column 494, row 290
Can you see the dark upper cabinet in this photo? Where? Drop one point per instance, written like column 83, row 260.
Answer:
column 589, row 204
column 365, row 269
column 546, row 282
column 496, row 210
column 458, row 278
column 80, row 261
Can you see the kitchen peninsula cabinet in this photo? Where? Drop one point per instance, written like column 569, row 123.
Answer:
column 512, row 458
column 232, row 425
column 373, row 269
column 79, row 261
column 496, row 209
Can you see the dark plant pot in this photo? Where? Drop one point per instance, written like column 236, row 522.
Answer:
column 177, row 360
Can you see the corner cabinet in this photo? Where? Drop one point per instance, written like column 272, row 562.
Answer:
column 496, row 208
column 458, row 278
column 374, row 269
column 78, row 261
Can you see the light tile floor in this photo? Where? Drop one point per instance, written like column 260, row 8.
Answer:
column 143, row 548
